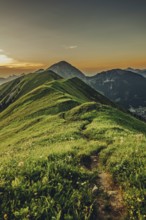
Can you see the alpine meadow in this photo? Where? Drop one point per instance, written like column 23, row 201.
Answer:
column 67, row 152
column 72, row 110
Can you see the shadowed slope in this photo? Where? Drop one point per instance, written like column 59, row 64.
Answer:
column 123, row 87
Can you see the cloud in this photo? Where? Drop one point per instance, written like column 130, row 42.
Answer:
column 73, row 47
column 70, row 47
column 25, row 65
column 5, row 60
column 8, row 62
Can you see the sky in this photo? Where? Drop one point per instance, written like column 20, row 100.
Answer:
column 93, row 35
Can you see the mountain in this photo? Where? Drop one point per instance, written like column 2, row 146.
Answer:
column 68, row 149
column 36, row 86
column 66, row 70
column 11, row 91
column 123, row 87
column 139, row 71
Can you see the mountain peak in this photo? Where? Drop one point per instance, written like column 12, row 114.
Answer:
column 63, row 62
column 66, row 70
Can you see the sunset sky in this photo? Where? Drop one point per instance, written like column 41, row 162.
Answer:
column 92, row 35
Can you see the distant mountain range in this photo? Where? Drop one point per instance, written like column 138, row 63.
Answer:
column 141, row 72
column 127, row 88
column 123, row 87
column 4, row 80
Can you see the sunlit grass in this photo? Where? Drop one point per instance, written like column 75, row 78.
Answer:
column 43, row 137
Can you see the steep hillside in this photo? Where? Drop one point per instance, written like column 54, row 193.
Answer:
column 13, row 90
column 66, row 149
column 69, row 92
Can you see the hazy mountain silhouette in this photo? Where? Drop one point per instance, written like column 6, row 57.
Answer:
column 66, row 70
column 141, row 72
column 4, row 80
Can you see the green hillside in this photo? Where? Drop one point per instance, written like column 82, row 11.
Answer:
column 67, row 153
column 11, row 91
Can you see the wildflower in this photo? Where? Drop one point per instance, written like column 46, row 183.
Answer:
column 82, row 184
column 139, row 200
column 5, row 216
column 20, row 164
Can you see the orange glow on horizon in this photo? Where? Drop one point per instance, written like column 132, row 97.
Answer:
column 88, row 67
column 94, row 67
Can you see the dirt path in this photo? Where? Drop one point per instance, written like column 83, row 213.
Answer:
column 110, row 204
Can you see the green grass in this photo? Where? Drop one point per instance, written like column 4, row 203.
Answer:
column 44, row 136
column 11, row 91
column 47, row 188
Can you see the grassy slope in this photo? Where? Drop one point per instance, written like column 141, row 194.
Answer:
column 44, row 136
column 11, row 91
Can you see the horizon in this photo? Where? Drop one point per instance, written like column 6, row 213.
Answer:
column 85, row 73
column 94, row 36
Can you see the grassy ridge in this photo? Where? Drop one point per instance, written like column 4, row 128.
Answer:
column 11, row 91
column 44, row 137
